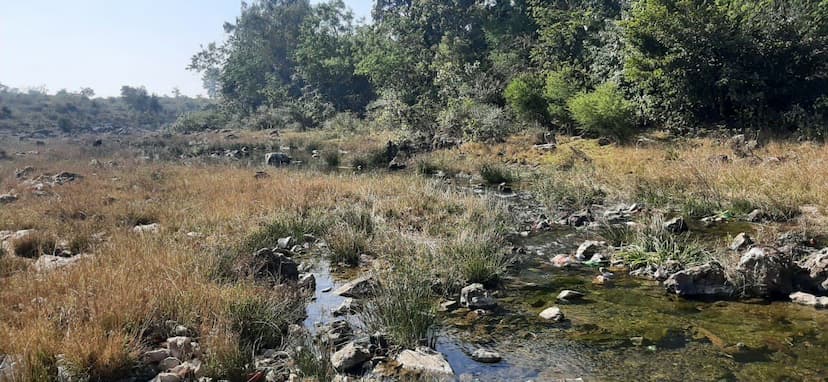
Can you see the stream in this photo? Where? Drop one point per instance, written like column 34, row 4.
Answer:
column 629, row 331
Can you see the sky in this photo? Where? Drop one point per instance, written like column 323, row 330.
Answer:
column 104, row 44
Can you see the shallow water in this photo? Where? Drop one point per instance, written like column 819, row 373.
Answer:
column 630, row 331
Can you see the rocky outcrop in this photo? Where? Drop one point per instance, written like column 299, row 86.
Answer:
column 765, row 273
column 707, row 280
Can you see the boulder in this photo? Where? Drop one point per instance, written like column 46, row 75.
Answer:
column 766, row 273
column 348, row 306
column 361, row 287
column 307, row 282
column 47, row 263
column 166, row 377
column 426, row 363
column 475, row 296
column 707, row 280
column 277, row 159
column 578, row 219
column 486, row 356
column 589, row 248
column 448, row 306
column 676, row 225
column 65, row 177
column 272, row 264
column 568, row 296
column 808, row 299
column 168, row 363
column 350, row 356
column 155, row 356
column 285, row 242
column 552, row 314
column 8, row 198
column 815, row 267
column 181, row 347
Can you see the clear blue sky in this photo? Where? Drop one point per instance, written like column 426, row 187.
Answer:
column 104, row 44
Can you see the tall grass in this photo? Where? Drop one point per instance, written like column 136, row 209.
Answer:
column 404, row 308
column 493, row 173
column 654, row 245
column 475, row 258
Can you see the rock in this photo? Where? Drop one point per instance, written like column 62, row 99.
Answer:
column 765, row 273
column 588, row 248
column 307, row 282
column 448, row 306
column 578, row 219
column 486, row 356
column 168, row 363
column 552, row 314
column 7, row 367
column 9, row 240
column 475, row 296
column 285, row 242
column 277, row 159
column 192, row 368
column 425, row 362
column 181, row 331
column 676, row 225
column 155, row 356
column 271, row 264
column 8, row 198
column 703, row 280
column 47, row 263
column 741, row 242
column 147, row 228
column 181, row 347
column 398, row 163
column 567, row 296
column 755, row 216
column 561, row 261
column 348, row 306
column 65, row 177
column 815, row 267
column 166, row 377
column 336, row 333
column 351, row 355
column 808, row 299
column 361, row 287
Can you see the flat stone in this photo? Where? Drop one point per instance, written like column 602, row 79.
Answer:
column 426, row 362
column 361, row 287
column 569, row 296
column 168, row 363
column 448, row 306
column 741, row 242
column 808, row 299
column 486, row 356
column 155, row 356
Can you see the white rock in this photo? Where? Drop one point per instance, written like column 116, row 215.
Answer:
column 552, row 314
column 155, row 356
column 147, row 228
column 426, row 362
column 808, row 299
column 166, row 377
column 569, row 296
column 180, row 347
column 350, row 356
column 486, row 356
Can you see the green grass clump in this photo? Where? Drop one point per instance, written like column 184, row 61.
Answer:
column 403, row 308
column 654, row 245
column 332, row 158
column 617, row 235
column 574, row 189
column 346, row 244
column 493, row 173
column 475, row 258
column 262, row 321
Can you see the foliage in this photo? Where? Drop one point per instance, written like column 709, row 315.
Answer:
column 603, row 112
column 560, row 87
column 524, row 95
column 262, row 321
column 654, row 245
column 403, row 308
column 494, row 173
column 476, row 258
column 474, row 121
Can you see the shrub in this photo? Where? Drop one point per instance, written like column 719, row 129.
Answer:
column 34, row 245
column 295, row 224
column 524, row 94
column 332, row 157
column 603, row 112
column 225, row 359
column 474, row 120
column 496, row 174
column 373, row 159
column 200, row 120
column 559, row 88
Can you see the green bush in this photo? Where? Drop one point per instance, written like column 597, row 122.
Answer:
column 560, row 87
column 474, row 120
column 603, row 112
column 200, row 120
column 524, row 94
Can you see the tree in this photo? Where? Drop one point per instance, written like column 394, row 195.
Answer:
column 87, row 92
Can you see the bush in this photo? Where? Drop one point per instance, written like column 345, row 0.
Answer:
column 560, row 87
column 332, row 157
column 208, row 119
column 654, row 245
column 603, row 112
column 262, row 321
column 524, row 94
column 496, row 174
column 474, row 121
